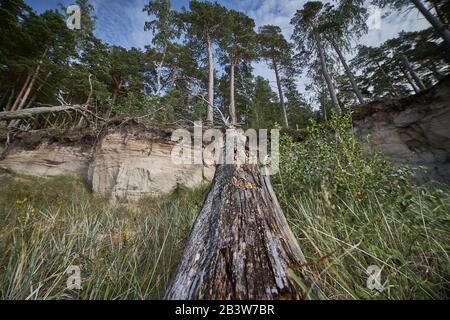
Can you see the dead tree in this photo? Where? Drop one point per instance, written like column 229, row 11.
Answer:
column 33, row 113
column 30, row 113
column 241, row 246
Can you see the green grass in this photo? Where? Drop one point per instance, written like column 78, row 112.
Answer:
column 124, row 252
column 410, row 242
column 351, row 208
column 129, row 252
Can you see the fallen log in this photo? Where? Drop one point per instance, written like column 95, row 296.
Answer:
column 32, row 112
column 241, row 246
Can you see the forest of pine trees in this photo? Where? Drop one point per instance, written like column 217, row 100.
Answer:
column 198, row 63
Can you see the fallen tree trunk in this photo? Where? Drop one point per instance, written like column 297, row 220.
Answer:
column 30, row 113
column 241, row 246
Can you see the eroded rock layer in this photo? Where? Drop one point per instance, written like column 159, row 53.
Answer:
column 414, row 131
column 123, row 162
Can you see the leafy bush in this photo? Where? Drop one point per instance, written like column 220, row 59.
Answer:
column 335, row 163
column 352, row 209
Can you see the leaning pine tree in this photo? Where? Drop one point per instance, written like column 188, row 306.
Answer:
column 309, row 41
column 340, row 26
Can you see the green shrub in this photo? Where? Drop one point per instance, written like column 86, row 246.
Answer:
column 352, row 209
column 333, row 162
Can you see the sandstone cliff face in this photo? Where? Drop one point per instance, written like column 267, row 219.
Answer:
column 130, row 163
column 125, row 162
column 414, row 131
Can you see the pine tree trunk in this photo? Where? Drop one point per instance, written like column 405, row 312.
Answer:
column 32, row 82
column 116, row 92
column 174, row 76
column 158, row 80
column 388, row 78
column 280, row 93
column 31, row 102
column 326, row 75
column 413, row 73
column 8, row 104
column 431, row 65
column 435, row 22
column 158, row 74
column 232, row 98
column 241, row 246
column 325, row 113
column 21, row 93
column 114, row 97
column 38, row 89
column 410, row 80
column 41, row 86
column 348, row 72
column 210, row 111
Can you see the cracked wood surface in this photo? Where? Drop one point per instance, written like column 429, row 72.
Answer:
column 241, row 246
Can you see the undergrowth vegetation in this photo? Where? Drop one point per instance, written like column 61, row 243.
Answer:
column 352, row 209
column 123, row 252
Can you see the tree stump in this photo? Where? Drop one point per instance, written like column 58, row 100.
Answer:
column 241, row 246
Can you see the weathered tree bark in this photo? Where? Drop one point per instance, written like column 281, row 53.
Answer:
column 210, row 111
column 348, row 72
column 241, row 246
column 434, row 21
column 232, row 97
column 280, row 93
column 326, row 75
column 29, row 113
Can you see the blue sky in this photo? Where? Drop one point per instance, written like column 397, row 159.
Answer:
column 121, row 22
